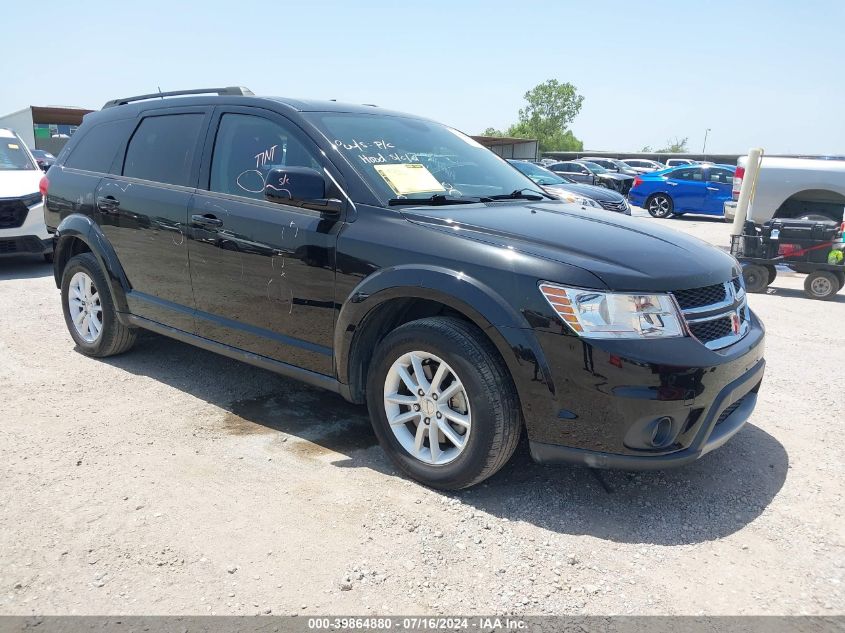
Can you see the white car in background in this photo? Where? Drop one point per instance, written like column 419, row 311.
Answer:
column 811, row 189
column 642, row 165
column 22, row 228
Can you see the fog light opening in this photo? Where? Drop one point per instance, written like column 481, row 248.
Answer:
column 661, row 432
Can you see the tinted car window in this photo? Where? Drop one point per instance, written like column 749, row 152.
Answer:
column 162, row 148
column 96, row 150
column 693, row 173
column 724, row 176
column 247, row 147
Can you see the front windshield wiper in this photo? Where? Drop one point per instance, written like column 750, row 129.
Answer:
column 519, row 195
column 437, row 200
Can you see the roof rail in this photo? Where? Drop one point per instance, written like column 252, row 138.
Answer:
column 230, row 90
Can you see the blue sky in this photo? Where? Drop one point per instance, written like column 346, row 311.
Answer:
column 756, row 73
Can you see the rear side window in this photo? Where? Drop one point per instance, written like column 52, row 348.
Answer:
column 163, row 147
column 96, row 150
column 723, row 176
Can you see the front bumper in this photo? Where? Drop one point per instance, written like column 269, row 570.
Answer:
column 643, row 404
column 25, row 245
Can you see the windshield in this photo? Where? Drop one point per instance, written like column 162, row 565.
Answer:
column 13, row 155
column 539, row 174
column 410, row 158
column 594, row 167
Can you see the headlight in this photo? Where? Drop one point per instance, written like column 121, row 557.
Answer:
column 576, row 199
column 597, row 314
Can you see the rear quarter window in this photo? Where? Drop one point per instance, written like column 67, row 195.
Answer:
column 97, row 148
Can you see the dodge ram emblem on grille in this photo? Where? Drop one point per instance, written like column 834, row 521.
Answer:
column 735, row 322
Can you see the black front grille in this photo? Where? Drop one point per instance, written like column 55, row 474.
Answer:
column 12, row 213
column 707, row 331
column 610, row 205
column 727, row 412
column 700, row 297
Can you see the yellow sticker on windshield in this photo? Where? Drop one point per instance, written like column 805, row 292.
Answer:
column 405, row 178
column 13, row 146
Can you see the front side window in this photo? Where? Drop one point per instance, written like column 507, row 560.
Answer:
column 13, row 155
column 687, row 174
column 247, row 147
column 595, row 168
column 403, row 157
column 163, row 147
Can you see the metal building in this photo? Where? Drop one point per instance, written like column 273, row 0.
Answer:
column 45, row 127
column 509, row 147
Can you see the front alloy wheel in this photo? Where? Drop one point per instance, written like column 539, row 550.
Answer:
column 427, row 408
column 442, row 402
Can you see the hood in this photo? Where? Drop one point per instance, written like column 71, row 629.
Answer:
column 625, row 253
column 614, row 176
column 19, row 182
column 591, row 191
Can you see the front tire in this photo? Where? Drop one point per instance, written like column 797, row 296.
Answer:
column 659, row 205
column 442, row 403
column 89, row 309
column 756, row 277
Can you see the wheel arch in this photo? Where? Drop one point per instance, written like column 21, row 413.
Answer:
column 76, row 234
column 808, row 201
column 395, row 296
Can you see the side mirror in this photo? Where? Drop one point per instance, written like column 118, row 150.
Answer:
column 301, row 187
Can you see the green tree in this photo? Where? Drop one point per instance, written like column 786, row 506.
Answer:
column 491, row 131
column 549, row 110
column 646, row 150
column 676, row 146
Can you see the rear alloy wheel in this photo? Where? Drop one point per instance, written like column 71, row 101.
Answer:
column 756, row 277
column 822, row 285
column 659, row 206
column 442, row 403
column 89, row 310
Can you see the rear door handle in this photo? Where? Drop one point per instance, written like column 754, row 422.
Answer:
column 107, row 204
column 206, row 220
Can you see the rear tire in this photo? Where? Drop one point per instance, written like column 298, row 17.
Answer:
column 659, row 205
column 86, row 298
column 756, row 277
column 487, row 402
column 822, row 285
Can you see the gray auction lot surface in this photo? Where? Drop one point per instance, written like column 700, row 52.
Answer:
column 170, row 480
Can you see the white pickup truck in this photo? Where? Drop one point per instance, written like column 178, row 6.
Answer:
column 803, row 188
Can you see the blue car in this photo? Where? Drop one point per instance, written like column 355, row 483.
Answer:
column 686, row 189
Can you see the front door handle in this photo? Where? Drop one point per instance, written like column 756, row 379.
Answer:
column 673, row 184
column 206, row 220
column 107, row 204
column 712, row 188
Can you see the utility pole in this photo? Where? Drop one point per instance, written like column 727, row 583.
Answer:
column 704, row 147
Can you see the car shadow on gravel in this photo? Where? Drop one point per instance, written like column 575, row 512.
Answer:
column 709, row 499
column 795, row 293
column 24, row 267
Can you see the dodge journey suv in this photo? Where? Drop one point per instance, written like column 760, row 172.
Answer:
column 397, row 262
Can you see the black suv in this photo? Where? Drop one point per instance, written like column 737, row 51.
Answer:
column 399, row 263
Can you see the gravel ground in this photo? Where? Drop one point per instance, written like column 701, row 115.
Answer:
column 173, row 481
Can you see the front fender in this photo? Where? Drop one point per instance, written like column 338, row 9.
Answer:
column 506, row 327
column 80, row 227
